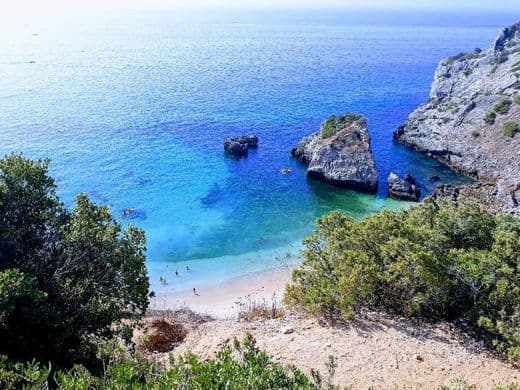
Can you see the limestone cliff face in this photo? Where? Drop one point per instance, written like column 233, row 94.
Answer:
column 340, row 154
column 474, row 99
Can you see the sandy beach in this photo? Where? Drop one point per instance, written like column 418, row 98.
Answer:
column 223, row 300
column 377, row 350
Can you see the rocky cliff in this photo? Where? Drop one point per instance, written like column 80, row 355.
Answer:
column 472, row 119
column 340, row 153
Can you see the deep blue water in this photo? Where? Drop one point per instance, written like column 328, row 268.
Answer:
column 133, row 107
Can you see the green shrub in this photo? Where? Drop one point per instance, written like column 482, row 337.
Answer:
column 500, row 58
column 334, row 123
column 65, row 276
column 463, row 57
column 515, row 67
column 490, row 118
column 511, row 128
column 438, row 260
column 517, row 99
column 240, row 366
column 503, row 106
column 468, row 72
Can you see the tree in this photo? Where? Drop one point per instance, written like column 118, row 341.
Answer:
column 66, row 277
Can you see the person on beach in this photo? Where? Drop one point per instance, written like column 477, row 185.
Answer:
column 194, row 291
column 187, row 268
column 176, row 273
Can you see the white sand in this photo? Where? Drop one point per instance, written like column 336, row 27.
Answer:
column 222, row 300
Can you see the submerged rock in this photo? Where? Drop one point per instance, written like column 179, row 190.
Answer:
column 239, row 146
column 127, row 213
column 403, row 189
column 340, row 153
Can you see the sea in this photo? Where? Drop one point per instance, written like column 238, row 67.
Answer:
column 132, row 107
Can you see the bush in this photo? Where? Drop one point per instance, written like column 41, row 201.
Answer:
column 500, row 58
column 503, row 106
column 517, row 99
column 511, row 128
column 438, row 260
column 241, row 366
column 66, row 277
column 163, row 335
column 334, row 123
column 490, row 118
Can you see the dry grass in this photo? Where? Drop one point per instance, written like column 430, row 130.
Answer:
column 162, row 335
column 252, row 309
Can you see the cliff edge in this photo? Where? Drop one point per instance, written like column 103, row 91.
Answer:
column 472, row 119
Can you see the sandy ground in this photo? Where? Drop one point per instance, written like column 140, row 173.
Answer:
column 378, row 351
column 224, row 300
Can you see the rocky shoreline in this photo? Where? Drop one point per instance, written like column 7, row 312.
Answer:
column 470, row 119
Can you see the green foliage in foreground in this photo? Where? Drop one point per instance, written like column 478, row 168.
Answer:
column 517, row 99
column 511, row 128
column 440, row 259
column 241, row 366
column 66, row 277
column 334, row 123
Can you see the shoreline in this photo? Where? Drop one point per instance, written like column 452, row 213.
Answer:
column 224, row 299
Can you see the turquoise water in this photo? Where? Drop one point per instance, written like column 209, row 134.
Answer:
column 133, row 107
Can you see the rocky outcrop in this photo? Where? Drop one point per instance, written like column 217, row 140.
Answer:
column 484, row 194
column 403, row 189
column 239, row 146
column 340, row 153
column 474, row 99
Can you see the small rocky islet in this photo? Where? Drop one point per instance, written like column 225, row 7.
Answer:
column 403, row 188
column 239, row 146
column 340, row 153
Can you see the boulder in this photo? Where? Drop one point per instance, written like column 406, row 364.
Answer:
column 239, row 146
column 340, row 153
column 403, row 189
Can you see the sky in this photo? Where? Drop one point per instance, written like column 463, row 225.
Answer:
column 27, row 5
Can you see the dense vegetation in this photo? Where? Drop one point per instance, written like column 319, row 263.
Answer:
column 511, row 128
column 69, row 278
column 241, row 366
column 334, row 123
column 66, row 277
column 440, row 260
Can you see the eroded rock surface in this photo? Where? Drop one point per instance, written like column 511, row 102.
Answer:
column 474, row 100
column 403, row 188
column 340, row 153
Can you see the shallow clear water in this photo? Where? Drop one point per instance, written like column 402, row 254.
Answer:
column 133, row 107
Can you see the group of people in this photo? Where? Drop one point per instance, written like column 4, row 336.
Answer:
column 187, row 270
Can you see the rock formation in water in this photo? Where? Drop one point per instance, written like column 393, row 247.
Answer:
column 239, row 146
column 403, row 189
column 472, row 119
column 340, row 153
